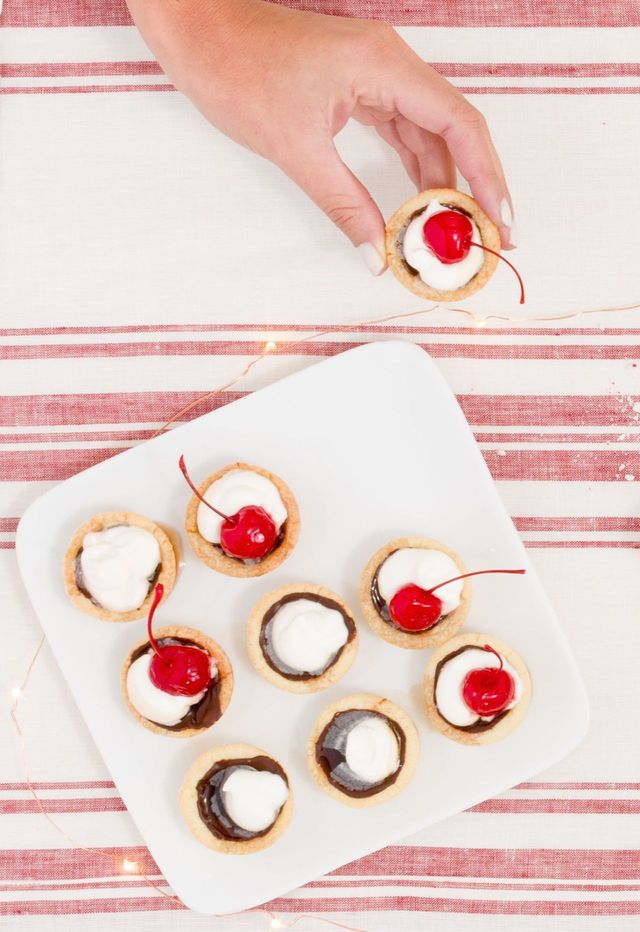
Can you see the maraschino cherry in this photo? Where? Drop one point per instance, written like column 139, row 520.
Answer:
column 413, row 608
column 448, row 236
column 488, row 690
column 176, row 669
column 249, row 534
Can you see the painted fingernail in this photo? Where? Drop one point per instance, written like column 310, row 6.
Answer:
column 372, row 258
column 506, row 214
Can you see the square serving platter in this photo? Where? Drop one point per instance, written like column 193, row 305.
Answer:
column 374, row 446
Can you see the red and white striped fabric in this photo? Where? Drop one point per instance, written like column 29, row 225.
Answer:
column 144, row 260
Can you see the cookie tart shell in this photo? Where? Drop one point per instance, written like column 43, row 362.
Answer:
column 370, row 703
column 213, row 556
column 442, row 630
column 505, row 725
column 188, row 799
column 313, row 684
column 225, row 675
column 398, row 223
column 169, row 550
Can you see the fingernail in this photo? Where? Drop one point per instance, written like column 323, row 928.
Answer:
column 506, row 216
column 372, row 258
column 513, row 234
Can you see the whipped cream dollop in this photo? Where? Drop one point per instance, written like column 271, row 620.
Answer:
column 305, row 635
column 118, row 564
column 235, row 490
column 433, row 272
column 153, row 703
column 253, row 798
column 371, row 750
column 451, row 677
column 424, row 568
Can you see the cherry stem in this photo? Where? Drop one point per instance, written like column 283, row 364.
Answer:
column 157, row 599
column 510, row 264
column 477, row 573
column 220, row 514
column 494, row 651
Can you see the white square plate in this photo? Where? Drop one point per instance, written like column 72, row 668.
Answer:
column 374, row 446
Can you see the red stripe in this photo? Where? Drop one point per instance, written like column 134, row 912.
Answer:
column 520, row 465
column 71, row 863
column 515, row 437
column 65, row 69
column 615, row 411
column 24, row 806
column 582, row 544
column 451, row 905
column 8, row 525
column 482, row 13
column 564, row 806
column 532, row 785
column 86, row 89
column 562, row 523
column 6, row 545
column 316, row 348
column 83, row 907
column 128, row 882
column 546, row 91
column 57, row 785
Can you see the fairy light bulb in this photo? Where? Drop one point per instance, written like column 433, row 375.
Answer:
column 270, row 346
column 129, row 867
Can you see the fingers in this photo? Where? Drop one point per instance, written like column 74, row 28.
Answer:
column 425, row 98
column 436, row 167
column 321, row 173
column 389, row 132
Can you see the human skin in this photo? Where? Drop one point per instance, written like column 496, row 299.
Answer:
column 282, row 83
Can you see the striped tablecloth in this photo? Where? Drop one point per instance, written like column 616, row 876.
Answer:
column 131, row 282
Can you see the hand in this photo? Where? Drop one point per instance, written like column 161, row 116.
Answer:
column 283, row 83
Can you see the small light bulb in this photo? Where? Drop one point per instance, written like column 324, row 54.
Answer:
column 276, row 924
column 16, row 692
column 269, row 347
column 480, row 321
column 130, row 867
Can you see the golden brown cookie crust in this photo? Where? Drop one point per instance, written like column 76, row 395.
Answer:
column 168, row 559
column 398, row 223
column 317, row 683
column 188, row 799
column 440, row 632
column 219, row 561
column 507, row 724
column 371, row 703
column 225, row 674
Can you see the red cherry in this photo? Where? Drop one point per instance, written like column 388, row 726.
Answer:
column 448, row 236
column 177, row 669
column 488, row 690
column 249, row 534
column 413, row 608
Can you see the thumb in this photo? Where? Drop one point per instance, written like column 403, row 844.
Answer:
column 320, row 172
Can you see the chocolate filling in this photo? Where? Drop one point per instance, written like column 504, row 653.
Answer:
column 478, row 726
column 209, row 790
column 202, row 714
column 252, row 562
column 400, row 240
column 331, row 753
column 383, row 609
column 81, row 584
column 266, row 644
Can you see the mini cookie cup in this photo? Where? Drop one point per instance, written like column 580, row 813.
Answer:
column 505, row 725
column 396, row 228
column 225, row 676
column 332, row 674
column 215, row 558
column 369, row 703
column 188, row 800
column 169, row 551
column 419, row 640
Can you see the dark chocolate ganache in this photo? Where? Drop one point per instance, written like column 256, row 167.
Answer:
column 481, row 724
column 254, row 560
column 82, row 586
column 383, row 609
column 331, row 753
column 203, row 713
column 210, row 796
column 266, row 644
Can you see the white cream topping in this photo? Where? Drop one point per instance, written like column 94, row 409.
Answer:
column 153, row 703
column 253, row 798
column 451, row 677
column 306, row 635
column 424, row 568
column 235, row 490
column 372, row 751
column 431, row 270
column 117, row 564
